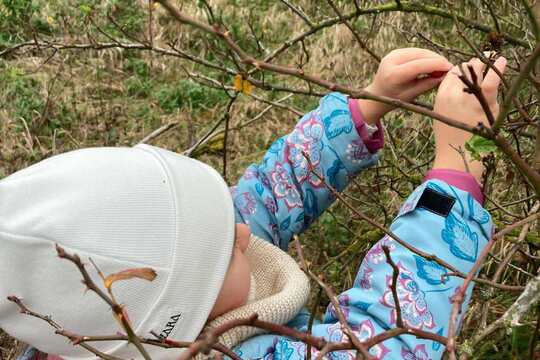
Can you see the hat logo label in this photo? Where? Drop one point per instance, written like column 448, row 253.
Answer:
column 173, row 320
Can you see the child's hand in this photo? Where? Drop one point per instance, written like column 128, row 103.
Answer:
column 403, row 74
column 453, row 102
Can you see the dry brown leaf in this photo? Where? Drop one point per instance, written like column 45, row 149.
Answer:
column 140, row 273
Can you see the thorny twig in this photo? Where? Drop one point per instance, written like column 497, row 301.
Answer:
column 59, row 329
column 117, row 309
column 514, row 88
column 298, row 11
column 400, row 241
column 473, row 87
column 403, row 6
column 247, row 59
column 83, row 340
column 459, row 298
column 375, row 339
column 158, row 132
column 359, row 40
column 227, row 117
column 514, row 313
column 335, row 303
column 208, row 340
column 393, row 286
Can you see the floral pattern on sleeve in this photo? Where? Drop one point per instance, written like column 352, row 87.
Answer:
column 281, row 196
column 419, row 353
column 414, row 309
column 288, row 199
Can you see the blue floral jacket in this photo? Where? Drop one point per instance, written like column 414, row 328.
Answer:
column 280, row 197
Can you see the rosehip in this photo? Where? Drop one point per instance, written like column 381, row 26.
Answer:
column 437, row 74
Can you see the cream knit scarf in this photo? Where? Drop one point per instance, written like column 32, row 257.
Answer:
column 279, row 290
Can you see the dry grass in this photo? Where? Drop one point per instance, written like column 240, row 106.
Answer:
column 8, row 347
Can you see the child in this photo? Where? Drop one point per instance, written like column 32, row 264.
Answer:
column 144, row 206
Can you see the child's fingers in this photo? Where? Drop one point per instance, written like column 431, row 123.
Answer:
column 424, row 85
column 477, row 66
column 492, row 80
column 412, row 69
column 401, row 56
column 451, row 81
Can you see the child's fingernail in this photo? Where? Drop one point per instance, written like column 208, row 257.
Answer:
column 437, row 74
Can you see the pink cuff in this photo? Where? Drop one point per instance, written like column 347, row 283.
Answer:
column 373, row 142
column 460, row 179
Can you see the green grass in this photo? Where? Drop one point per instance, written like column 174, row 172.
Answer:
column 23, row 93
column 187, row 95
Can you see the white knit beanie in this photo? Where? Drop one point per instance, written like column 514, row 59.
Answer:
column 124, row 208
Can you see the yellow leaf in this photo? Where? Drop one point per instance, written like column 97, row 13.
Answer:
column 141, row 273
column 242, row 85
column 238, row 82
column 248, row 88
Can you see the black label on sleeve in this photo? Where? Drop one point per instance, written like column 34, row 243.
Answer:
column 437, row 203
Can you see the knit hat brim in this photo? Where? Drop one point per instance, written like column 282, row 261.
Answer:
column 124, row 208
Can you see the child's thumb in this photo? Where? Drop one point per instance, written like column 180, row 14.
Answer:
column 492, row 80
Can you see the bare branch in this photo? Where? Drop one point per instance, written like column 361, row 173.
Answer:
column 117, row 309
column 59, row 329
column 516, row 85
column 393, row 286
column 514, row 314
column 361, row 42
column 298, row 11
column 335, row 303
